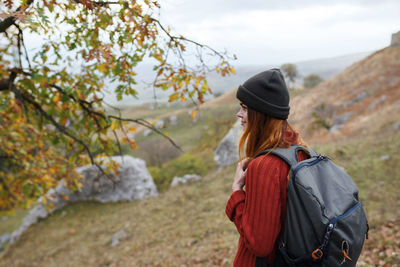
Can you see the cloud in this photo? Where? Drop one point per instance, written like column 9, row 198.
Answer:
column 275, row 31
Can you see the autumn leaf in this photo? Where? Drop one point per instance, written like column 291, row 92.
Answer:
column 102, row 68
column 173, row 97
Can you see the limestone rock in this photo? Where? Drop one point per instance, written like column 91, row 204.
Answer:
column 183, row 180
column 117, row 237
column 395, row 39
column 159, row 124
column 339, row 122
column 396, row 125
column 132, row 183
column 173, row 120
column 377, row 102
column 147, row 132
column 227, row 151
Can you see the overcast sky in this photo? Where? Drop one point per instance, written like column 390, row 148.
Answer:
column 279, row 31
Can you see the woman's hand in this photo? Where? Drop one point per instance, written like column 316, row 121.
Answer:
column 240, row 176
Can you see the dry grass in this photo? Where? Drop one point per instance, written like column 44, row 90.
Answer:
column 375, row 76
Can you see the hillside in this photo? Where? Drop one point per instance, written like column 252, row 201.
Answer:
column 187, row 226
column 362, row 100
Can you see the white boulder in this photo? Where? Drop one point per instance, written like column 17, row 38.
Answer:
column 227, row 151
column 183, row 180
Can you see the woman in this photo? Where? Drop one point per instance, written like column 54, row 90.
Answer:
column 259, row 212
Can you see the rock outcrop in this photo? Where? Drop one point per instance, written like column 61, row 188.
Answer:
column 395, row 39
column 133, row 182
column 185, row 179
column 227, row 151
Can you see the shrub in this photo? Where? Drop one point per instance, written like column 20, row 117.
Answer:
column 312, row 80
column 185, row 164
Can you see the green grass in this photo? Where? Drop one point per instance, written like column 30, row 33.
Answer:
column 185, row 164
column 12, row 222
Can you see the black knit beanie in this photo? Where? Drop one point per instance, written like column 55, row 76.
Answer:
column 267, row 93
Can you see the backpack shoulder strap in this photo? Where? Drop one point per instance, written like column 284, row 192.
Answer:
column 289, row 155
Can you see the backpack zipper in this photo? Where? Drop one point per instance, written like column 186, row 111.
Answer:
column 344, row 215
column 309, row 163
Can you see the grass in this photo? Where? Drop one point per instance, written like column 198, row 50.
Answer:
column 9, row 221
column 186, row 225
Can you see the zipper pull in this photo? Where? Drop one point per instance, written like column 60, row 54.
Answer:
column 321, row 157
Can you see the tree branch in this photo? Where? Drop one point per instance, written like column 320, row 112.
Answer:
column 59, row 127
column 147, row 125
column 4, row 85
column 7, row 22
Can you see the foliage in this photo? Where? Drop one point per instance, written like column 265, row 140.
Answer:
column 52, row 106
column 312, row 80
column 321, row 115
column 290, row 71
column 185, row 164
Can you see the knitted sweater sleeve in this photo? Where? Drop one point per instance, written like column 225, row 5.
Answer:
column 257, row 212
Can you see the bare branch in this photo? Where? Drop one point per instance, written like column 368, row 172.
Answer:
column 147, row 125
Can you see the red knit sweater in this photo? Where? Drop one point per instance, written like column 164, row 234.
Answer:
column 259, row 213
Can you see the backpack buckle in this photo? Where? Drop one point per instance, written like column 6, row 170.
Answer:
column 317, row 254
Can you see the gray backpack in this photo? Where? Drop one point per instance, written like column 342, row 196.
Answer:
column 325, row 222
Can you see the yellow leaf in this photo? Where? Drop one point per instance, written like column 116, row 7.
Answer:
column 140, row 42
column 102, row 67
column 114, row 125
column 232, row 70
column 193, row 114
column 56, row 99
column 173, row 97
column 183, row 98
column 132, row 129
column 158, row 57
column 132, row 144
column 187, row 80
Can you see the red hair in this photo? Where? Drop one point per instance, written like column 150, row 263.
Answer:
column 263, row 132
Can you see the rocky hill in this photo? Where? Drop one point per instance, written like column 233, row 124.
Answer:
column 362, row 100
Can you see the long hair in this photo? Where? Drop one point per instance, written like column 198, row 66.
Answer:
column 263, row 132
